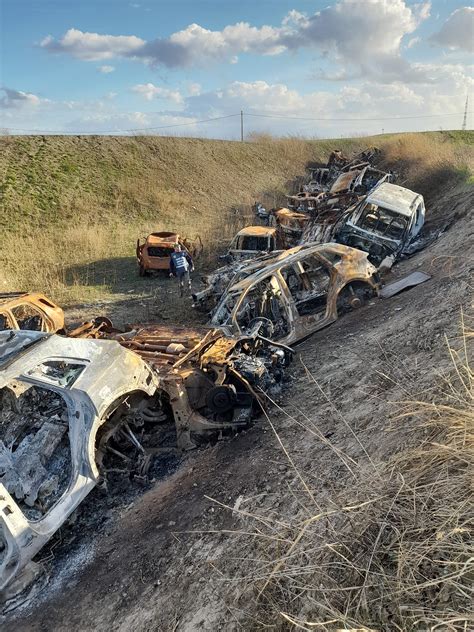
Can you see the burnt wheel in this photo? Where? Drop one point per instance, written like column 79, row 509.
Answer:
column 353, row 296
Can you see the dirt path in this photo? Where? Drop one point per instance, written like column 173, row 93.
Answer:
column 167, row 562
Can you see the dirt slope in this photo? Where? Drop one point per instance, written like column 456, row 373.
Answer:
column 168, row 561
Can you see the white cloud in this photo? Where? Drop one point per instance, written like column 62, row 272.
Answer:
column 105, row 69
column 383, row 102
column 18, row 99
column 362, row 34
column 194, row 89
column 458, row 30
column 150, row 92
column 413, row 42
column 92, row 46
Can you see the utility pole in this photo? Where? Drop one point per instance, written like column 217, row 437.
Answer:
column 242, row 125
column 464, row 122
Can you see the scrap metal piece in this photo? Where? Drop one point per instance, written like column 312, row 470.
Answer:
column 411, row 280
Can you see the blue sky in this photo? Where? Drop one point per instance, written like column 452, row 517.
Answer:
column 115, row 65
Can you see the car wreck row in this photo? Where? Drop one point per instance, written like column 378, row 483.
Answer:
column 349, row 202
column 79, row 403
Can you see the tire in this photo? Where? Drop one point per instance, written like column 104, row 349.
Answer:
column 142, row 272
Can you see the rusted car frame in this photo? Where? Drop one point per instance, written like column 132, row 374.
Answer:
column 301, row 291
column 29, row 310
column 216, row 283
column 252, row 241
column 290, row 226
column 154, row 253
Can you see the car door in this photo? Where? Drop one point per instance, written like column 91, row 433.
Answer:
column 309, row 283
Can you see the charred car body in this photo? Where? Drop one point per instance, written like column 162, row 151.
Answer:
column 70, row 408
column 30, row 310
column 384, row 223
column 250, row 242
column 298, row 292
column 154, row 253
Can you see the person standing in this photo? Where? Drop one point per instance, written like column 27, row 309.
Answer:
column 181, row 264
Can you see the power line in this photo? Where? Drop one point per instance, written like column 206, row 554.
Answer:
column 108, row 131
column 384, row 118
column 227, row 116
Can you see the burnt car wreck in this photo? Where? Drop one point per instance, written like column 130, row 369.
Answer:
column 384, row 224
column 294, row 292
column 74, row 408
column 298, row 292
column 353, row 202
column 31, row 311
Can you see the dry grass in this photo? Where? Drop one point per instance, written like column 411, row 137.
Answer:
column 393, row 551
column 70, row 207
column 428, row 163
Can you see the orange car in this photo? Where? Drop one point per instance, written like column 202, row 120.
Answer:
column 30, row 310
column 154, row 253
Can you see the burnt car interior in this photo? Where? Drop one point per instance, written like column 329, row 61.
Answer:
column 159, row 251
column 308, row 282
column 382, row 221
column 253, row 242
column 26, row 316
column 35, row 464
column 264, row 301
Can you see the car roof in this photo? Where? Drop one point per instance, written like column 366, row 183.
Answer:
column 395, row 198
column 8, row 297
column 159, row 238
column 256, row 231
column 289, row 213
column 287, row 257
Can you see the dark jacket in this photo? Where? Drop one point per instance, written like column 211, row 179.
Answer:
column 180, row 262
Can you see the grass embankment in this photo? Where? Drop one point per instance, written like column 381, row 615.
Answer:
column 71, row 208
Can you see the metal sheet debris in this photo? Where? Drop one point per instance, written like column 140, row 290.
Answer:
column 411, row 280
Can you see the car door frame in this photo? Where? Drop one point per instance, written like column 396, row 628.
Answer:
column 305, row 325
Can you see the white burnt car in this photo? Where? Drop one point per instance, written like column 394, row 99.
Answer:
column 385, row 223
column 75, row 409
